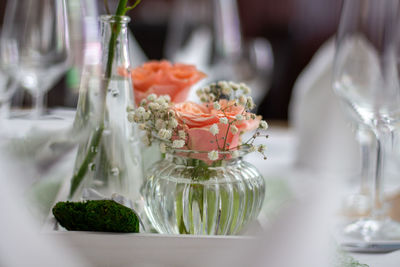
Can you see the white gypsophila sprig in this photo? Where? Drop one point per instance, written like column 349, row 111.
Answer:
column 235, row 154
column 224, row 120
column 165, row 134
column 178, row 143
column 213, row 155
column 263, row 125
column 182, row 134
column 214, row 129
column 234, row 129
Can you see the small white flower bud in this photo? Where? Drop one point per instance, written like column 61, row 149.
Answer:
column 235, row 154
column 224, row 120
column 239, row 117
column 214, row 129
column 165, row 134
column 261, row 148
column 151, row 97
column 242, row 100
column 173, row 123
column 216, row 106
column 263, row 125
column 178, row 143
column 182, row 134
column 234, row 129
column 213, row 155
column 131, row 117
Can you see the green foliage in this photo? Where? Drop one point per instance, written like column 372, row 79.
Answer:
column 96, row 215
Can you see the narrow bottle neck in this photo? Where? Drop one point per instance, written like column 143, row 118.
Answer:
column 114, row 39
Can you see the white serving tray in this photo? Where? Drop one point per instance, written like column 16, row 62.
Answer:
column 144, row 249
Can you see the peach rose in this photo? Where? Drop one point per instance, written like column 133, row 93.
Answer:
column 196, row 120
column 163, row 78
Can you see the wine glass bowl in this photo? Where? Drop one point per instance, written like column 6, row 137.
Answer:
column 35, row 45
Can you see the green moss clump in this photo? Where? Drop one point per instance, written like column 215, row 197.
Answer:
column 96, row 215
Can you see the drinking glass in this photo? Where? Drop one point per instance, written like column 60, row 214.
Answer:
column 366, row 80
column 34, row 45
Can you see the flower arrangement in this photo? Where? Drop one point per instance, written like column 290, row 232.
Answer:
column 164, row 78
column 210, row 131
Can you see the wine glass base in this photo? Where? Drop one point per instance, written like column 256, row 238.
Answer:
column 369, row 229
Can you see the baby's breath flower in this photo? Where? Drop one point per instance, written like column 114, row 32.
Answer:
column 151, row 97
column 217, row 106
column 224, row 120
column 203, row 98
column 159, row 124
column 223, row 84
column 143, row 102
column 239, row 117
column 226, row 90
column 234, row 129
column 146, row 115
column 164, row 106
column 182, row 134
column 242, row 100
column 140, row 111
column 250, row 102
column 130, row 108
column 211, row 97
column 142, row 126
column 154, row 106
column 263, row 125
column 165, row 134
column 131, row 116
column 253, row 116
column 178, row 143
column 234, row 86
column 213, row 155
column 252, row 148
column 235, row 154
column 214, row 129
column 199, row 92
column 207, row 89
column 261, row 148
column 161, row 101
column 167, row 98
column 163, row 148
column 173, row 123
column 146, row 140
column 245, row 89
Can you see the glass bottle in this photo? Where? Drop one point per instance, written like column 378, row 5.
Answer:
column 108, row 160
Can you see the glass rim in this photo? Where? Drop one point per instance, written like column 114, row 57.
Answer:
column 113, row 19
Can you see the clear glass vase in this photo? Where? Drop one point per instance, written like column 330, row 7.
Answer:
column 108, row 159
column 187, row 196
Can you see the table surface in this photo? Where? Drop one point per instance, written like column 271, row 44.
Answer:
column 280, row 165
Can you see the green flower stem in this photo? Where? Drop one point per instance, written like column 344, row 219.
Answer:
column 78, row 177
column 116, row 29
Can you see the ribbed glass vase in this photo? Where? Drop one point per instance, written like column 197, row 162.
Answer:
column 187, row 196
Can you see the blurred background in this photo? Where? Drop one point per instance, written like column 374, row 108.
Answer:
column 287, row 29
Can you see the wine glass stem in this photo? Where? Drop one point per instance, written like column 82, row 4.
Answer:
column 39, row 104
column 378, row 211
column 365, row 163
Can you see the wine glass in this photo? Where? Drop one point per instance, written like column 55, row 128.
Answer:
column 366, row 80
column 35, row 45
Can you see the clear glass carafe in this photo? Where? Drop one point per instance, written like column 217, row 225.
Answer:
column 108, row 159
